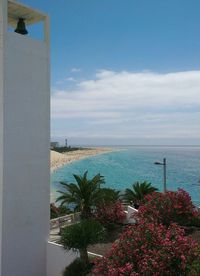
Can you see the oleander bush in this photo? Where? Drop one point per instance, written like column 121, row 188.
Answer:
column 194, row 268
column 149, row 249
column 194, row 221
column 109, row 214
column 169, row 207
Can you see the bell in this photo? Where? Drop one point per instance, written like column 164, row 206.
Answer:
column 21, row 27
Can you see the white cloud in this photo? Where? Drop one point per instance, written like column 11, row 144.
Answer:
column 75, row 70
column 130, row 104
column 70, row 79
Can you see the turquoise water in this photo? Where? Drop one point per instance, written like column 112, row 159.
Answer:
column 122, row 168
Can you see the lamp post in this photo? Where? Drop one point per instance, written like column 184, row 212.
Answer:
column 164, row 164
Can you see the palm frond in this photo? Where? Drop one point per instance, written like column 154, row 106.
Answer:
column 138, row 192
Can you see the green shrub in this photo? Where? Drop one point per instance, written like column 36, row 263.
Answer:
column 195, row 221
column 194, row 269
column 81, row 235
column 77, row 268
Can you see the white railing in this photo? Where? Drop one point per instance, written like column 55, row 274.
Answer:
column 64, row 220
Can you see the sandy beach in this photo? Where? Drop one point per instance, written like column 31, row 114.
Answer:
column 60, row 159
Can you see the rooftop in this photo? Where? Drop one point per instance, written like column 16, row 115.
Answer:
column 17, row 10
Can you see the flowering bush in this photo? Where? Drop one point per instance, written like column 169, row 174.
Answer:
column 168, row 207
column 195, row 266
column 149, row 249
column 110, row 213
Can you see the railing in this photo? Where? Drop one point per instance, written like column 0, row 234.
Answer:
column 64, row 220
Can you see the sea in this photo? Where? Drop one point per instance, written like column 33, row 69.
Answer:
column 126, row 165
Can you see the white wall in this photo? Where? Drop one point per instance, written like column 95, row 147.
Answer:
column 58, row 259
column 24, row 149
column 2, row 11
column 130, row 212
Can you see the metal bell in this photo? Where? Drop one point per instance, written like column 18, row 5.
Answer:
column 21, row 27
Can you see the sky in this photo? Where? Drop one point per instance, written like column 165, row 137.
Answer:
column 124, row 71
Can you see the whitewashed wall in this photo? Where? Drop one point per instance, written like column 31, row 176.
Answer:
column 58, row 259
column 24, row 149
column 129, row 215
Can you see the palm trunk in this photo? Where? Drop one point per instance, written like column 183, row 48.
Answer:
column 86, row 213
column 84, row 255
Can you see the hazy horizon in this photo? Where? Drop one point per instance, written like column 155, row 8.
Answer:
column 88, row 142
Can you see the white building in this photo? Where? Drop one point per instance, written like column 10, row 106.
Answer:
column 54, row 145
column 24, row 171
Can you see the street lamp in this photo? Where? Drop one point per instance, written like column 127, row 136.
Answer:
column 164, row 164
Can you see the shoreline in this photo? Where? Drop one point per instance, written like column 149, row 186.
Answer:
column 59, row 160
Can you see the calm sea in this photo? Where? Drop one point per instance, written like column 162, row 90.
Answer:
column 122, row 168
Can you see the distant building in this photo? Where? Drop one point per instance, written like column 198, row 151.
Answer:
column 54, row 145
column 65, row 142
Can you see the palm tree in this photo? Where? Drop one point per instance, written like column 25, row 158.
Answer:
column 83, row 193
column 107, row 195
column 138, row 192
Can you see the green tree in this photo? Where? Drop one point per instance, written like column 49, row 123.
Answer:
column 83, row 193
column 138, row 192
column 107, row 195
column 80, row 235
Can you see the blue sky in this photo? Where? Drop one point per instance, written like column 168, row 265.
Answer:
column 125, row 71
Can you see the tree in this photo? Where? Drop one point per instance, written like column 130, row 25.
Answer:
column 138, row 192
column 59, row 211
column 54, row 211
column 83, row 193
column 107, row 196
column 80, row 235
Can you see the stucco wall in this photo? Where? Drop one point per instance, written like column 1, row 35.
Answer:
column 24, row 136
column 130, row 213
column 58, row 259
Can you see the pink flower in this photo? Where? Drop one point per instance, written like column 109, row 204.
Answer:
column 148, row 249
column 110, row 213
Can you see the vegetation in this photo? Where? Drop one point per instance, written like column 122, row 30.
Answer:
column 156, row 244
column 194, row 221
column 138, row 192
column 66, row 149
column 107, row 196
column 194, row 268
column 169, row 207
column 83, row 193
column 80, row 235
column 110, row 214
column 109, row 210
column 149, row 249
column 56, row 212
column 103, row 204
column 77, row 267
